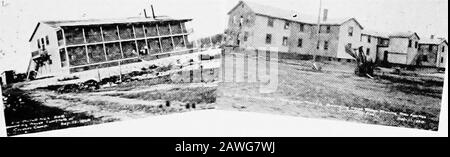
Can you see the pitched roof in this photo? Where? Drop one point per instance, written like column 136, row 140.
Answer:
column 407, row 34
column 374, row 33
column 432, row 41
column 290, row 15
column 87, row 22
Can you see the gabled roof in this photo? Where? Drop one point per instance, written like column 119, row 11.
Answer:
column 433, row 41
column 87, row 22
column 407, row 34
column 270, row 11
column 374, row 33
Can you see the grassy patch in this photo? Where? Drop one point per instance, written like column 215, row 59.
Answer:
column 189, row 95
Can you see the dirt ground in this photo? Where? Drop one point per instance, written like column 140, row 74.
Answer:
column 335, row 93
column 34, row 106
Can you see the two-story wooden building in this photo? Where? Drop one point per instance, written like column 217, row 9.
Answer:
column 66, row 47
column 260, row 27
column 433, row 52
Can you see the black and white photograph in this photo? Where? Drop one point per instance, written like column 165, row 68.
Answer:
column 200, row 67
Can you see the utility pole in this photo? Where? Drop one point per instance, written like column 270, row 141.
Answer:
column 318, row 35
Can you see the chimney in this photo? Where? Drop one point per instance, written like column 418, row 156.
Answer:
column 325, row 14
column 153, row 12
column 145, row 13
column 432, row 37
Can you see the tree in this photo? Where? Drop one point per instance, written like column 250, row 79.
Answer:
column 364, row 66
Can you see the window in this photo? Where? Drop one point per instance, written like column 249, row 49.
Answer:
column 325, row 45
column 269, row 39
column 350, row 31
column 302, row 27
column 270, row 22
column 410, row 43
column 245, row 36
column 42, row 44
column 443, row 48
column 318, row 45
column 39, row 44
column 425, row 58
column 285, row 41
column 46, row 40
column 368, row 51
column 416, row 45
column 369, row 39
column 286, row 25
column 442, row 59
column 328, row 29
column 430, row 48
column 241, row 21
column 300, row 43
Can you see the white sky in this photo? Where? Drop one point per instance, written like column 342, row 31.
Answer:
column 19, row 17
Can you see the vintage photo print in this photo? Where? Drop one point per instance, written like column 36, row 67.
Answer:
column 75, row 63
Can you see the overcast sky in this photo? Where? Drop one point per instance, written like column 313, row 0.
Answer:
column 19, row 17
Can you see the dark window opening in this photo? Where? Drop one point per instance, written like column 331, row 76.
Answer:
column 318, row 45
column 350, row 31
column 245, row 36
column 425, row 58
column 325, row 45
column 286, row 25
column 302, row 27
column 269, row 39
column 46, row 40
column 285, row 41
column 270, row 22
column 300, row 43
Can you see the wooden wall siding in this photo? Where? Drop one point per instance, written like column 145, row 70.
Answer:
column 126, row 32
column 96, row 54
column 155, row 46
column 74, row 36
column 93, row 34
column 151, row 30
column 113, row 51
column 139, row 30
column 167, row 44
column 129, row 49
column 164, row 29
column 110, row 33
column 77, row 55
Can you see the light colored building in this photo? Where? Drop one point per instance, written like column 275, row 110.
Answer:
column 402, row 50
column 433, row 52
column 259, row 26
column 66, row 47
column 372, row 41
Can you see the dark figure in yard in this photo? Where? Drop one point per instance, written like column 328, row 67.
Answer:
column 364, row 66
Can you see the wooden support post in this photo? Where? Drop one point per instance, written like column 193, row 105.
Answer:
column 159, row 39
column 145, row 39
column 104, row 45
column 65, row 48
column 171, row 36
column 135, row 39
column 85, row 46
column 120, row 41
